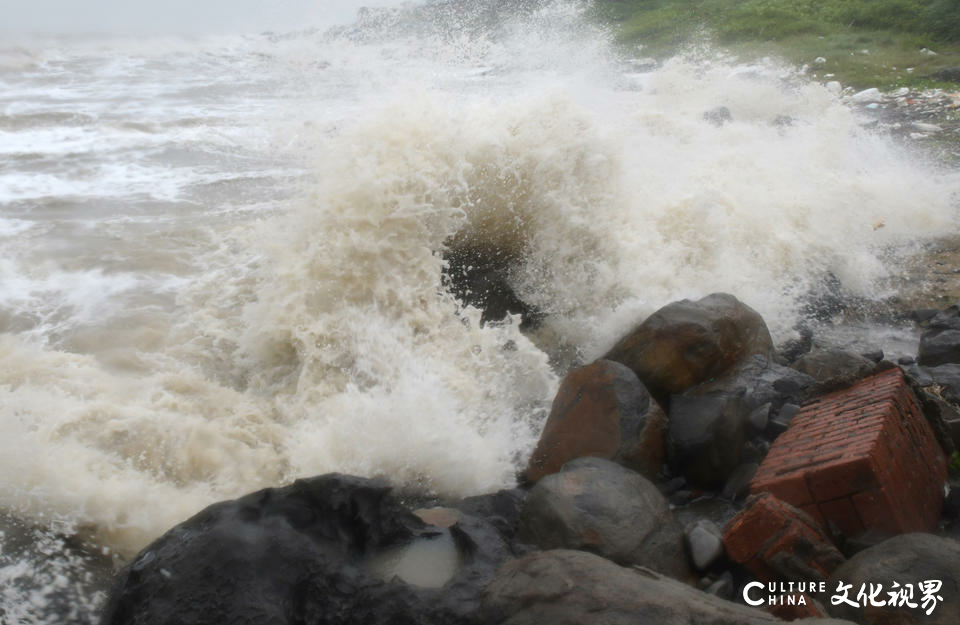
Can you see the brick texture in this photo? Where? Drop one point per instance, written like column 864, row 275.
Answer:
column 861, row 458
column 776, row 541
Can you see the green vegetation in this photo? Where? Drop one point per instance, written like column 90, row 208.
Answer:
column 867, row 43
column 954, row 465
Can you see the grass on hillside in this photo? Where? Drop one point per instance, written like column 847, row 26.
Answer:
column 867, row 43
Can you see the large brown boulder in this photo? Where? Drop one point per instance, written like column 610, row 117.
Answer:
column 577, row 588
column 601, row 410
column 686, row 343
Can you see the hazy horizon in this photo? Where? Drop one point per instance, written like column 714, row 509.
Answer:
column 175, row 16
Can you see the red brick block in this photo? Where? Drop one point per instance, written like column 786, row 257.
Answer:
column 861, row 458
column 772, row 539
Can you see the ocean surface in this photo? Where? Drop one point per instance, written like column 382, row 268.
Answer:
column 222, row 258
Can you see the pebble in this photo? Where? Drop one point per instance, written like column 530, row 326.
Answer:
column 867, row 95
column 924, row 127
column 705, row 541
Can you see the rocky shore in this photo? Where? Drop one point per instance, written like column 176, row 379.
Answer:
column 694, row 474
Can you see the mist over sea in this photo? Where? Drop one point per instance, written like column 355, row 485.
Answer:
column 222, row 256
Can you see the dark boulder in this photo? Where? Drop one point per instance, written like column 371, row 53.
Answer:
column 601, row 410
column 686, row 343
column 940, row 342
column 305, row 553
column 834, row 368
column 576, row 588
column 710, row 423
column 707, row 433
column 942, row 416
column 501, row 509
column 904, row 559
column 946, row 378
column 596, row 505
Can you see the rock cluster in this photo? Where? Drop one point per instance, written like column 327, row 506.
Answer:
column 633, row 506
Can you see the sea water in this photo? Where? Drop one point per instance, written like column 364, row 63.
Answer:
column 222, row 257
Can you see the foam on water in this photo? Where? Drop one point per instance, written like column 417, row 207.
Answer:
column 209, row 340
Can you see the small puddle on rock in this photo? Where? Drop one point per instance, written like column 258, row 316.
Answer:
column 427, row 561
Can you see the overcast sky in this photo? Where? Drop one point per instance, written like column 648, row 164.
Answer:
column 174, row 16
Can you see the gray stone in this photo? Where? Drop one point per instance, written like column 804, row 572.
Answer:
column 759, row 417
column 834, row 368
column 938, row 412
column 599, row 506
column 875, row 355
column 723, row 587
column 707, row 433
column 738, row 484
column 904, row 559
column 940, row 342
column 947, row 377
column 709, row 423
column 704, row 540
column 577, row 588
column 779, row 424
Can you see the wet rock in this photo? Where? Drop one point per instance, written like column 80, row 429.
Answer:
column 940, row 342
column 759, row 417
column 940, row 414
column 709, row 423
column 946, row 378
column 707, row 433
column 704, row 542
column 797, row 347
column 501, row 509
column 906, row 559
column 864, row 540
column 722, row 587
column 779, row 424
column 874, row 356
column 576, row 588
column 300, row 554
column 760, row 382
column 596, row 505
column 686, row 343
column 951, row 505
column 601, row 410
column 738, row 484
column 834, row 368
